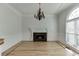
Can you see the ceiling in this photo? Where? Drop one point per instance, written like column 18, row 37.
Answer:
column 48, row 8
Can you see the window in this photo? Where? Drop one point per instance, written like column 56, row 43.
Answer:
column 72, row 28
column 74, row 14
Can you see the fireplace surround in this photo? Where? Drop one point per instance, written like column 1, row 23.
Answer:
column 39, row 36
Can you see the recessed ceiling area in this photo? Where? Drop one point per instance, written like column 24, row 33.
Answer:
column 48, row 8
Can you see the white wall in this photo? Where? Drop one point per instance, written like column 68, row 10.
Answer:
column 10, row 27
column 29, row 23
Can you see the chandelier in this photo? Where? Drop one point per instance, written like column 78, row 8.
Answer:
column 39, row 15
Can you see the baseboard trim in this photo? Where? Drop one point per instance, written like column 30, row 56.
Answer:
column 70, row 47
column 61, row 44
column 5, row 53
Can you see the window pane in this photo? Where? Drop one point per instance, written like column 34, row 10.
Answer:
column 74, row 14
column 77, row 27
column 67, row 40
column 71, row 39
column 70, row 27
column 77, row 40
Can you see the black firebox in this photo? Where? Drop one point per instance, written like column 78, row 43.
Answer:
column 39, row 36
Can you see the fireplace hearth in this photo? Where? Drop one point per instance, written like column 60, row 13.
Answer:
column 39, row 36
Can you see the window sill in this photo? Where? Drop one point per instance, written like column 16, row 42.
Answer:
column 73, row 47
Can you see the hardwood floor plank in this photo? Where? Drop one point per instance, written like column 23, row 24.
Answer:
column 41, row 49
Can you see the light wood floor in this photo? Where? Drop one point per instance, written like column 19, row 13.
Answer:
column 41, row 49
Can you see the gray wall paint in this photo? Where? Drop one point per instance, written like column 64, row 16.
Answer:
column 29, row 23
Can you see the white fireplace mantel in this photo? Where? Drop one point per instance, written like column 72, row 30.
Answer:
column 32, row 30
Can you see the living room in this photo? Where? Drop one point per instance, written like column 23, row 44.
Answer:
column 21, row 26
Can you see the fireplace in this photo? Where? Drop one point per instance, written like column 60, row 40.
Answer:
column 39, row 36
